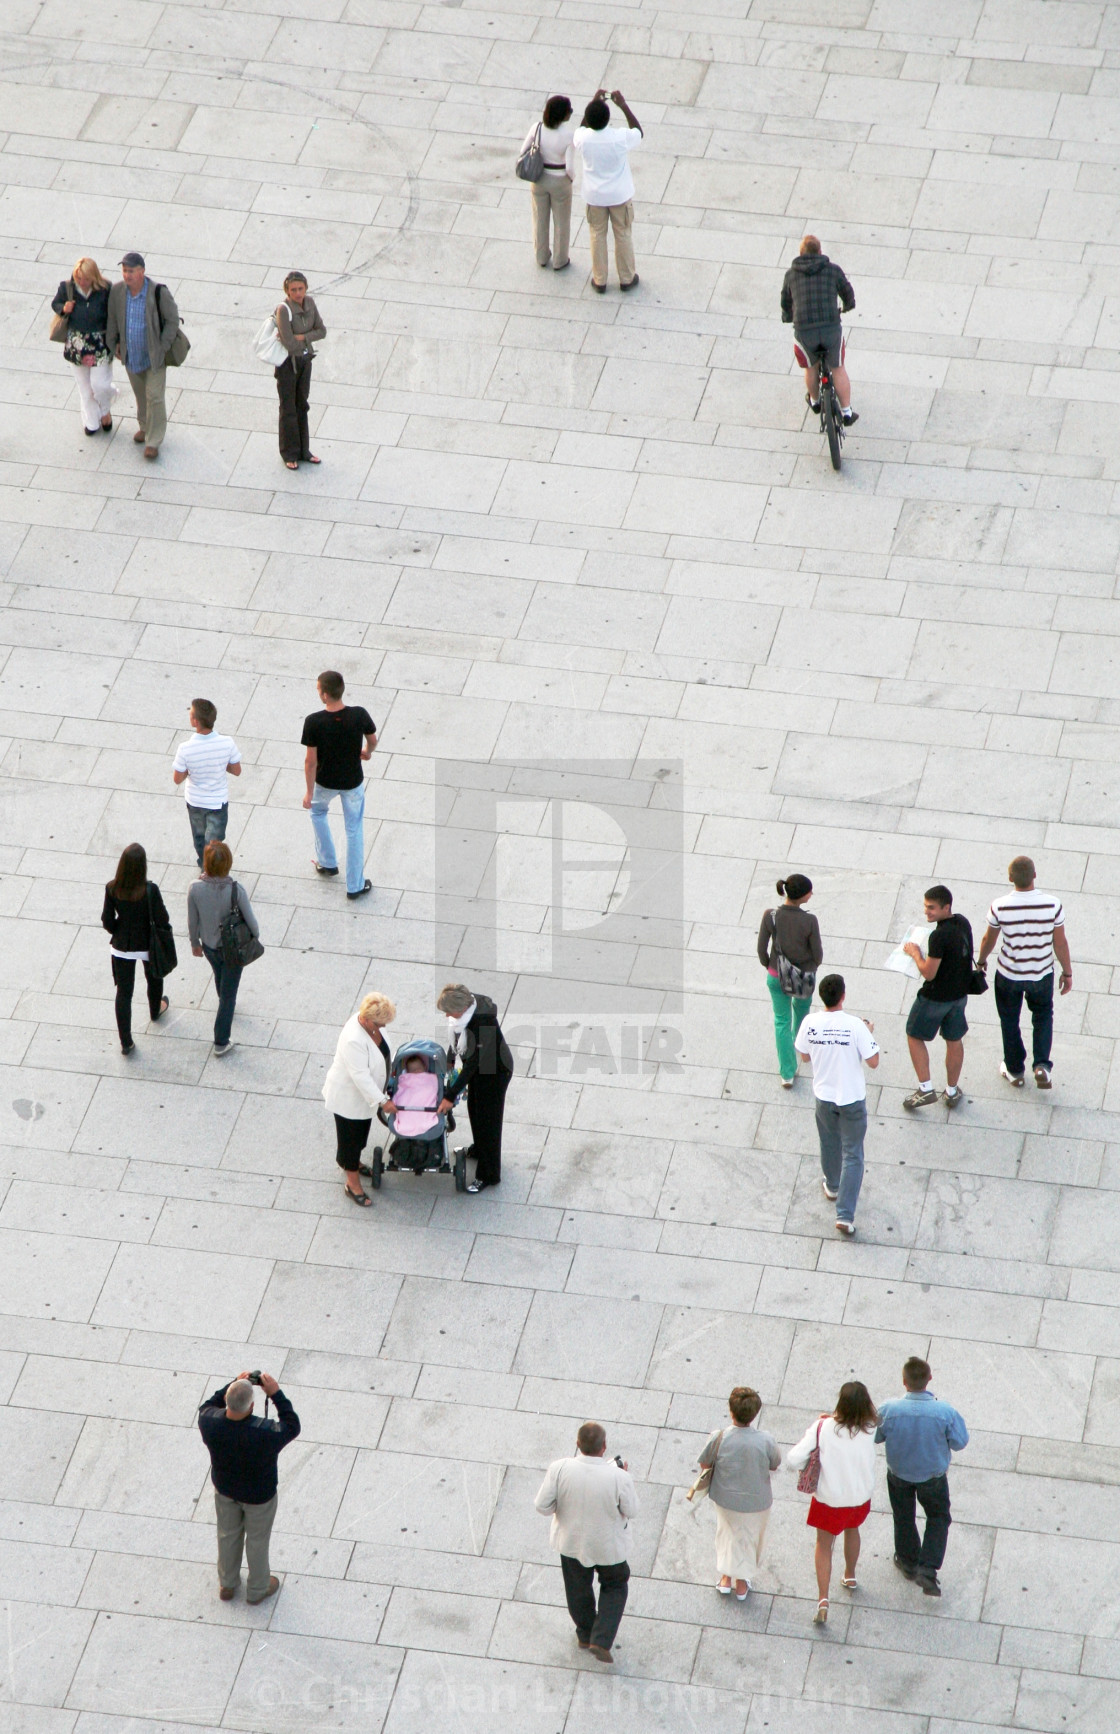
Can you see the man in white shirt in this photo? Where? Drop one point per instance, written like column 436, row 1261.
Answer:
column 1029, row 926
column 608, row 186
column 591, row 1499
column 205, row 764
column 839, row 1046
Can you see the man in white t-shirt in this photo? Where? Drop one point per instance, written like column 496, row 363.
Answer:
column 839, row 1046
column 205, row 763
column 608, row 186
column 1029, row 926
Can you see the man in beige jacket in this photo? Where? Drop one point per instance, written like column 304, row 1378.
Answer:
column 142, row 325
column 591, row 1500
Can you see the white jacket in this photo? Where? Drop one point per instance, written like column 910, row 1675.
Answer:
column 355, row 1085
column 847, row 1465
column 591, row 1500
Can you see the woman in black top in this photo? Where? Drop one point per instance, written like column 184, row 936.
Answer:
column 790, row 951
column 480, row 1063
column 133, row 906
column 83, row 300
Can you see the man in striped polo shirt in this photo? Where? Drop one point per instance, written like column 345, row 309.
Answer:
column 1029, row 927
column 205, row 763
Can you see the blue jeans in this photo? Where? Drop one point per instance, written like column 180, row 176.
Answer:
column 208, row 825
column 1039, row 996
column 841, row 1127
column 353, row 812
column 227, row 980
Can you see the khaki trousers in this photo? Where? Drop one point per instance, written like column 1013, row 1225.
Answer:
column 245, row 1527
column 622, row 222
column 149, row 390
column 552, row 196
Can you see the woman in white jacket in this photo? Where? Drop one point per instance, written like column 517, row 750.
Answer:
column 354, row 1088
column 839, row 1506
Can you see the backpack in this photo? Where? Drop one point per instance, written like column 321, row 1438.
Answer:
column 530, row 164
column 794, row 981
column 180, row 343
column 237, row 942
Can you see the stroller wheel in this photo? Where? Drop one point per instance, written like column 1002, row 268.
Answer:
column 376, row 1169
column 460, row 1171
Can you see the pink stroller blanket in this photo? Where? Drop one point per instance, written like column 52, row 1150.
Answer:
column 416, row 1097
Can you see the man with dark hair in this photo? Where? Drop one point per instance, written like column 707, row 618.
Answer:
column 204, row 764
column 591, row 1500
column 243, row 1450
column 839, row 1046
column 810, row 291
column 608, row 186
column 1029, row 926
column 920, row 1433
column 337, row 739
column 938, row 1010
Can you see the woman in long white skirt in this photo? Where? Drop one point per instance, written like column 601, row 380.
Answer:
column 742, row 1459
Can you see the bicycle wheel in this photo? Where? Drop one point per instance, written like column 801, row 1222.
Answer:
column 831, row 417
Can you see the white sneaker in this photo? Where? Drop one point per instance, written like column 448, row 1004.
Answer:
column 845, row 1228
column 829, row 1194
column 220, row 1053
column 1012, row 1078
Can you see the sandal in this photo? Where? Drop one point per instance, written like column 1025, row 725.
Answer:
column 820, row 1618
column 289, row 465
column 312, row 459
column 362, row 1198
column 849, row 1583
column 724, row 1586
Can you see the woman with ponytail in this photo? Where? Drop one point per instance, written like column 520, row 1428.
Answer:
column 790, row 951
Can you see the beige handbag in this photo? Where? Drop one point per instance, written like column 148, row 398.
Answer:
column 699, row 1488
column 60, row 322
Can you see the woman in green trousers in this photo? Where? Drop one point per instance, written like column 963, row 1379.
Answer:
column 789, row 950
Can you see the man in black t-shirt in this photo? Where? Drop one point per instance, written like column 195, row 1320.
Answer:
column 337, row 739
column 938, row 1010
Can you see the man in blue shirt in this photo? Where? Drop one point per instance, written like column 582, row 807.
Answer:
column 920, row 1433
column 142, row 324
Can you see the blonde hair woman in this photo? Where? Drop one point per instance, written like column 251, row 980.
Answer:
column 83, row 300
column 354, row 1087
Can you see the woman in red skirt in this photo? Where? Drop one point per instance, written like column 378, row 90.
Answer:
column 843, row 1498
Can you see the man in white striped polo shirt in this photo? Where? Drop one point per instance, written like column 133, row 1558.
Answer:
column 1029, row 928
column 205, row 763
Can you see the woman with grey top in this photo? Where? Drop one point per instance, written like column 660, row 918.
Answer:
column 743, row 1459
column 209, row 901
column 298, row 326
column 790, row 951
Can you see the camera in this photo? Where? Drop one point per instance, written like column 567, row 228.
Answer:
column 255, row 1378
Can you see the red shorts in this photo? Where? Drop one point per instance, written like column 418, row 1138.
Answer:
column 836, row 1518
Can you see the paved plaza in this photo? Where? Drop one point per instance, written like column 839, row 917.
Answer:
column 634, row 651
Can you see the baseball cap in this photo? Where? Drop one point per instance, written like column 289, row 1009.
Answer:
column 133, row 259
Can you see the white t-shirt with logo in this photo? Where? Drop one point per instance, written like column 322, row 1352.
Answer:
column 605, row 153
column 838, row 1044
column 204, row 758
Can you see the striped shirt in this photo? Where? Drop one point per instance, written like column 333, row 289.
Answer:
column 204, row 758
column 1026, row 921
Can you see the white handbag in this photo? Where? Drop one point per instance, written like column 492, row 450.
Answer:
column 267, row 345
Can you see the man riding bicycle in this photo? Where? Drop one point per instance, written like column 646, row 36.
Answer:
column 810, row 291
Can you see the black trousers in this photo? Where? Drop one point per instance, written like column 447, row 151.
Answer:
column 124, row 975
column 293, row 384
column 486, row 1102
column 933, row 1497
column 352, row 1135
column 595, row 1625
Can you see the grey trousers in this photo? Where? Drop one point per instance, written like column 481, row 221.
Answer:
column 245, row 1527
column 149, row 389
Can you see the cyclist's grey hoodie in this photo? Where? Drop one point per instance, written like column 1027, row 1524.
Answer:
column 810, row 291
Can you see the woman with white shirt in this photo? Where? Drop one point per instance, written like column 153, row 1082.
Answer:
column 608, row 186
column 552, row 194
column 846, row 1440
column 354, row 1087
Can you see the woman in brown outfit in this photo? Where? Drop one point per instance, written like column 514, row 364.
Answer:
column 298, row 326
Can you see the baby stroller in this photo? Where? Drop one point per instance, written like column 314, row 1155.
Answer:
column 417, row 1133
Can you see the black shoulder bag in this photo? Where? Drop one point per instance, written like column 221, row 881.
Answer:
column 161, row 943
column 237, row 942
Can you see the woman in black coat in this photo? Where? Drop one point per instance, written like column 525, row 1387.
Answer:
column 83, row 301
column 135, row 917
column 479, row 1062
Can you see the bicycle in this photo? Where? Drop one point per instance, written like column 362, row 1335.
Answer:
column 832, row 420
